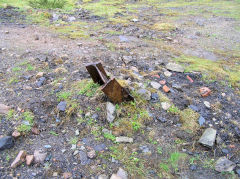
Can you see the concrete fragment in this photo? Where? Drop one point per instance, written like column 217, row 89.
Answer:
column 224, row 165
column 208, row 137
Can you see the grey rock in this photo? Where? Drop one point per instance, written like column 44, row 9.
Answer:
column 155, row 85
column 124, row 139
column 165, row 105
column 55, row 17
column 194, row 108
column 6, row 142
column 145, row 149
column 103, row 176
column 91, row 154
column 175, row 67
column 47, row 146
column 207, row 104
column 62, row 106
column 106, row 131
column 208, row 137
column 4, row 109
column 71, row 19
column 100, row 147
column 122, row 173
column 219, row 141
column 224, row 165
column 201, row 120
column 77, row 132
column 145, row 94
column 167, row 73
column 161, row 119
column 154, row 97
column 40, row 81
column 238, row 172
column 110, row 112
column 193, row 167
column 39, row 156
column 75, row 152
column 83, row 158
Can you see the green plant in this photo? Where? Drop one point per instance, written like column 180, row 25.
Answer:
column 47, row 4
column 73, row 140
column 159, row 150
column 88, row 88
column 63, row 95
column 164, row 167
column 15, row 69
column 10, row 114
column 136, row 126
column 30, row 67
column 109, row 136
column 28, row 116
column 53, row 133
column 24, row 128
column 174, row 110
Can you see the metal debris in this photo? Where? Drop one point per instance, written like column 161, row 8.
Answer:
column 110, row 87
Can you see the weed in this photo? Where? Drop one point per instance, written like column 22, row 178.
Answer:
column 88, row 88
column 28, row 116
column 174, row 110
column 63, row 95
column 159, row 150
column 47, row 4
column 189, row 119
column 16, row 69
column 13, row 80
column 73, row 140
column 109, row 136
column 30, row 67
column 53, row 133
column 24, row 128
column 136, row 126
column 164, row 167
column 179, row 141
column 10, row 114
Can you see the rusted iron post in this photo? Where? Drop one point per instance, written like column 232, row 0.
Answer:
column 110, row 87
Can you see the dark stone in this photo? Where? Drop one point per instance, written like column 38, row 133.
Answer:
column 100, row 147
column 193, row 167
column 84, row 159
column 194, row 108
column 154, row 97
column 237, row 131
column 62, row 106
column 95, row 116
column 225, row 151
column 48, row 158
column 238, row 172
column 161, row 119
column 6, row 142
column 41, row 81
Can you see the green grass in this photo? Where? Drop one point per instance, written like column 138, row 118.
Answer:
column 24, row 128
column 212, row 70
column 109, row 136
column 63, row 95
column 73, row 140
column 47, row 4
column 16, row 69
column 88, row 88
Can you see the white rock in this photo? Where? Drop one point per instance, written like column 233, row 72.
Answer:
column 175, row 67
column 167, row 73
column 77, row 132
column 155, row 85
column 207, row 104
column 124, row 139
column 122, row 173
column 165, row 105
column 110, row 112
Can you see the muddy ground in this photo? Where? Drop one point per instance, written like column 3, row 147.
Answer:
column 134, row 45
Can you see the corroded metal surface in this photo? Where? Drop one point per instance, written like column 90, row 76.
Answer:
column 111, row 87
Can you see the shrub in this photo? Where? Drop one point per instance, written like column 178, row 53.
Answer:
column 47, row 4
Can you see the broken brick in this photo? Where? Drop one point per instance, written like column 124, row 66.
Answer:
column 19, row 159
column 190, row 79
column 162, row 82
column 29, row 159
column 166, row 89
column 16, row 134
column 35, row 131
column 205, row 91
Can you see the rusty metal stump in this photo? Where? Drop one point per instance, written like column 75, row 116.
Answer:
column 110, row 87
